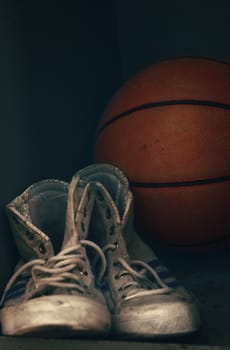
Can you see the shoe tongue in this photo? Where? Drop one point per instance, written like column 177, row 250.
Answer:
column 112, row 179
column 48, row 210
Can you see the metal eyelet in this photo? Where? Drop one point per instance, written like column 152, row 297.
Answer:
column 108, row 213
column 112, row 230
column 116, row 245
column 42, row 248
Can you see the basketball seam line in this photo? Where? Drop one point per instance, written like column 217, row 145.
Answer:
column 164, row 104
column 180, row 183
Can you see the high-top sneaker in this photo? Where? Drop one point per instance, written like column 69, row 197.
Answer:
column 52, row 291
column 144, row 299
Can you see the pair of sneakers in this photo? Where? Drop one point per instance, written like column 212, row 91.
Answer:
column 83, row 269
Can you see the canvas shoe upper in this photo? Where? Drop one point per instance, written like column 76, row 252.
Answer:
column 53, row 289
column 144, row 298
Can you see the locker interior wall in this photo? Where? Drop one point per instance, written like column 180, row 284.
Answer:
column 149, row 31
column 59, row 65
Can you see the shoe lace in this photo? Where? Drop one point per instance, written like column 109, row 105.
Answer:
column 60, row 270
column 137, row 282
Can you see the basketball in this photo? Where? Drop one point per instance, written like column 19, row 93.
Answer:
column 168, row 129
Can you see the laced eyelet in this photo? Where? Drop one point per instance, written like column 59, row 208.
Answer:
column 42, row 248
column 85, row 212
column 125, row 287
column 112, row 230
column 116, row 245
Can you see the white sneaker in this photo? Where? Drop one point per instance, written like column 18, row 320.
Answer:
column 52, row 291
column 144, row 299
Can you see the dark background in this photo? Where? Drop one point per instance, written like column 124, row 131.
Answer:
column 151, row 30
column 60, row 63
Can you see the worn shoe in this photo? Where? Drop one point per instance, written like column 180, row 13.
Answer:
column 52, row 291
column 143, row 297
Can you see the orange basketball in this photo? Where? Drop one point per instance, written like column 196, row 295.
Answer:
column 168, row 129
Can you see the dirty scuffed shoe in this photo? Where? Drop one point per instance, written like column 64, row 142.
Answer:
column 144, row 299
column 52, row 291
